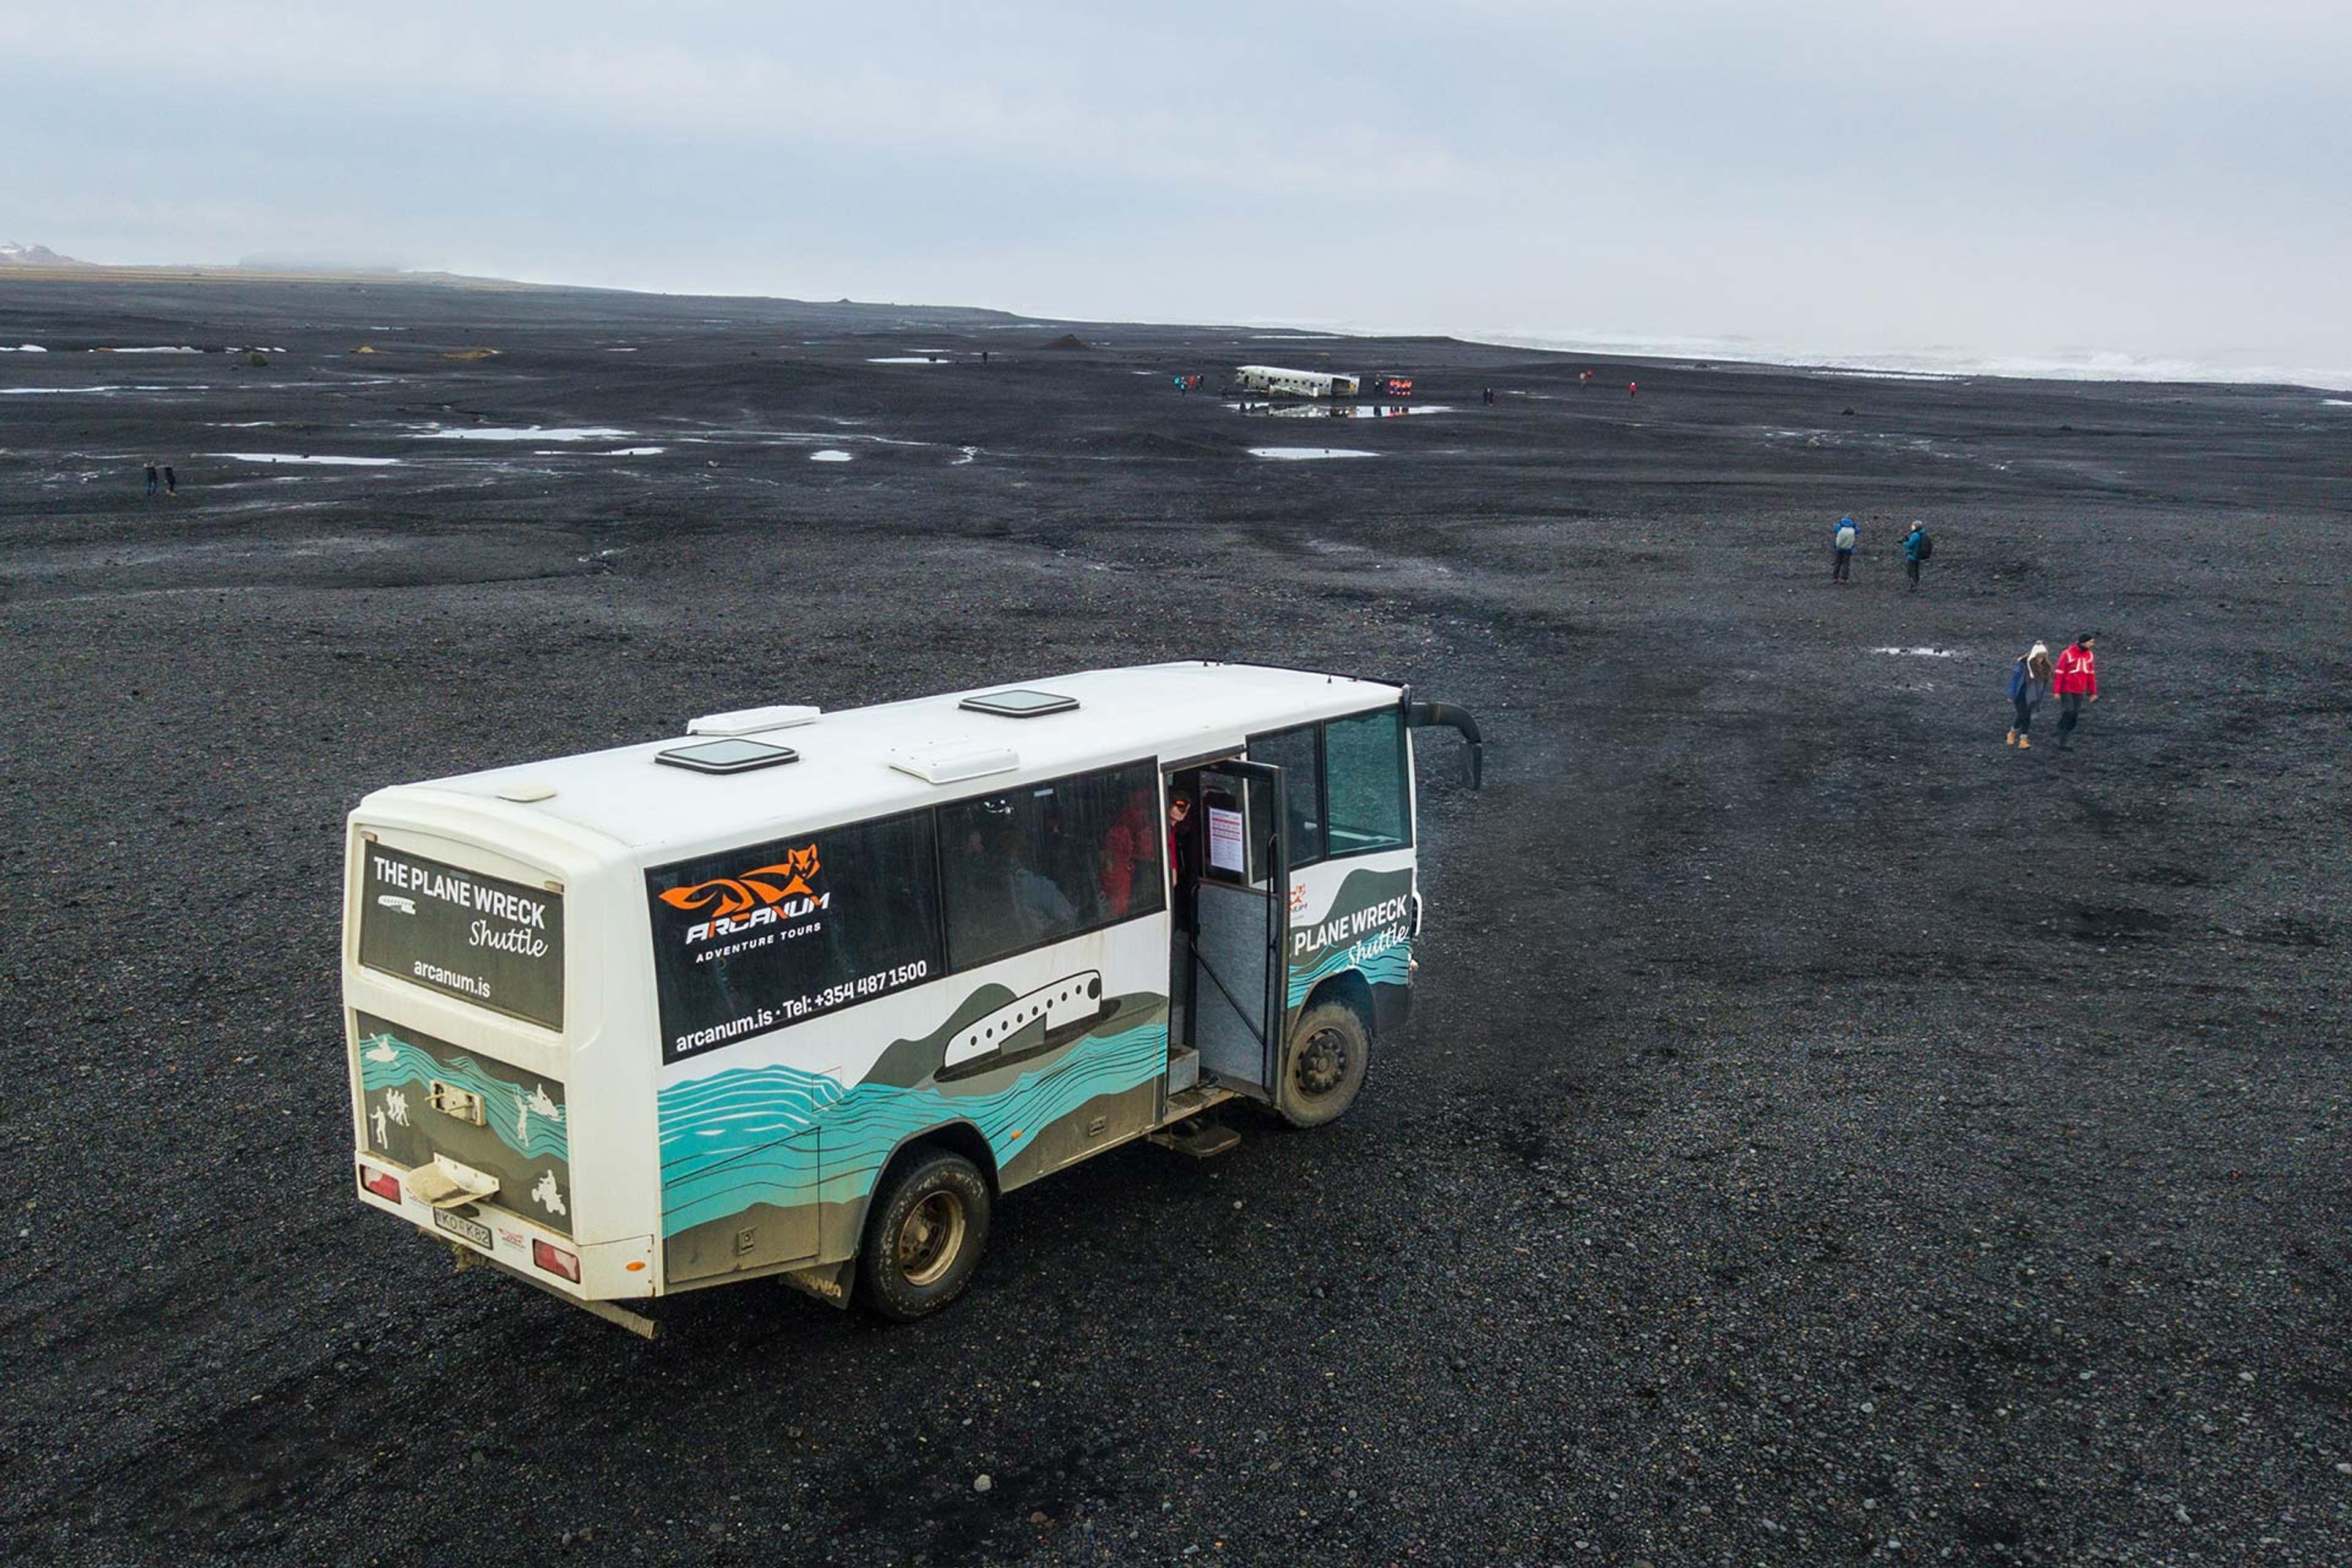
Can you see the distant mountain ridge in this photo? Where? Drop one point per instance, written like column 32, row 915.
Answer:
column 15, row 255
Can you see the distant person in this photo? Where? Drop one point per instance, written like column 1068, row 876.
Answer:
column 1490, row 397
column 151, row 480
column 983, row 356
column 1842, row 538
column 1584, row 378
column 2076, row 678
column 1632, row 389
column 2029, row 683
column 1917, row 548
column 171, row 481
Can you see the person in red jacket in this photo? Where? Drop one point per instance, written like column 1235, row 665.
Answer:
column 2076, row 678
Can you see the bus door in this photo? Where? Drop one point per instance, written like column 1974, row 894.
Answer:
column 1238, row 988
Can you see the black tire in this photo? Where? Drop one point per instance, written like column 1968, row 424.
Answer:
column 924, row 1235
column 1323, row 1065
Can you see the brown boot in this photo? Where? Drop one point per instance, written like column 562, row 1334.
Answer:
column 2025, row 743
column 2012, row 739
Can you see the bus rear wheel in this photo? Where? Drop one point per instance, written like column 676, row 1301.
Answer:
column 1324, row 1067
column 924, row 1236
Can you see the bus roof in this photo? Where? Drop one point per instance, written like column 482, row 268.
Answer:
column 845, row 771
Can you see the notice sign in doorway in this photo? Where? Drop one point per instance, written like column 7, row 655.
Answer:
column 1224, row 839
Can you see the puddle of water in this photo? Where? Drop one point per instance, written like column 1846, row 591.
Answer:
column 632, row 452
column 526, row 432
column 243, row 424
column 829, row 456
column 909, row 359
column 969, row 454
column 307, row 458
column 23, row 349
column 1307, row 454
column 182, row 349
column 1339, row 410
column 1918, row 652
column 2337, row 401
column 80, row 391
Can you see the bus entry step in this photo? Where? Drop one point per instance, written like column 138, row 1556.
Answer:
column 1200, row 1139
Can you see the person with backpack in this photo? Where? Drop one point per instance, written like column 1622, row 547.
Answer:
column 1842, row 538
column 2029, row 683
column 2076, row 678
column 1917, row 548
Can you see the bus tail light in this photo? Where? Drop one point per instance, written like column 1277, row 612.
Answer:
column 382, row 1184
column 556, row 1261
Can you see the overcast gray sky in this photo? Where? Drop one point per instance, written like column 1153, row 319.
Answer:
column 1997, row 178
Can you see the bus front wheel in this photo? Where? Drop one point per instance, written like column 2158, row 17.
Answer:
column 924, row 1236
column 1324, row 1067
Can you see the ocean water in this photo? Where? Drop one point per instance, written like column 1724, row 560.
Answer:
column 1930, row 361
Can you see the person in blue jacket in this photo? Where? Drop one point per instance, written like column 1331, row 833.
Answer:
column 2029, row 684
column 1915, row 551
column 1842, row 538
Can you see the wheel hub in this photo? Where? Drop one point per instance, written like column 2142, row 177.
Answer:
column 930, row 1236
column 1322, row 1062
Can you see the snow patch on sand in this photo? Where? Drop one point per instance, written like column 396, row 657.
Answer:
column 527, row 433
column 307, row 458
column 830, row 455
column 1307, row 454
column 1918, row 652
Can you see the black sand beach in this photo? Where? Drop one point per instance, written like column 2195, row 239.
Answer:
column 1826, row 1134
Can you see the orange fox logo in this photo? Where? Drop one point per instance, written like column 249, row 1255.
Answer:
column 761, row 885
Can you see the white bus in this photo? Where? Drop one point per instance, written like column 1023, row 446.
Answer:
column 1276, row 382
column 803, row 993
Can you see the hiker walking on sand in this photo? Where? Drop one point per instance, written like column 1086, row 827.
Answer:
column 171, row 481
column 2076, row 678
column 151, row 478
column 1917, row 548
column 2029, row 683
column 1842, row 538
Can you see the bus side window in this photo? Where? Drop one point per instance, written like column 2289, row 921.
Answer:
column 1363, row 759
column 1049, row 862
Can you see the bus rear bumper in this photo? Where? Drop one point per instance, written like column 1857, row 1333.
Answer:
column 587, row 1274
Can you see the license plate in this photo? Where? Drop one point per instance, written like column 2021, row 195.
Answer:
column 458, row 1225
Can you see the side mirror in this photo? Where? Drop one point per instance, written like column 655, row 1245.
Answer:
column 1446, row 716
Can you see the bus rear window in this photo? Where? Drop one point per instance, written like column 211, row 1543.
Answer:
column 758, row 938
column 483, row 938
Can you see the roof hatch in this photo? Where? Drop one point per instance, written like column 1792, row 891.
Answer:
column 1019, row 702
column 731, row 755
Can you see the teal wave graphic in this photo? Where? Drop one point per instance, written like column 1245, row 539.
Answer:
column 1389, row 966
column 387, row 1061
column 780, row 1135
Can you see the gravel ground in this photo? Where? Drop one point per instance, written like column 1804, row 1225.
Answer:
column 1826, row 1135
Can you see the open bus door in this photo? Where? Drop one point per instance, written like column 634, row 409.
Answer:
column 1239, row 989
